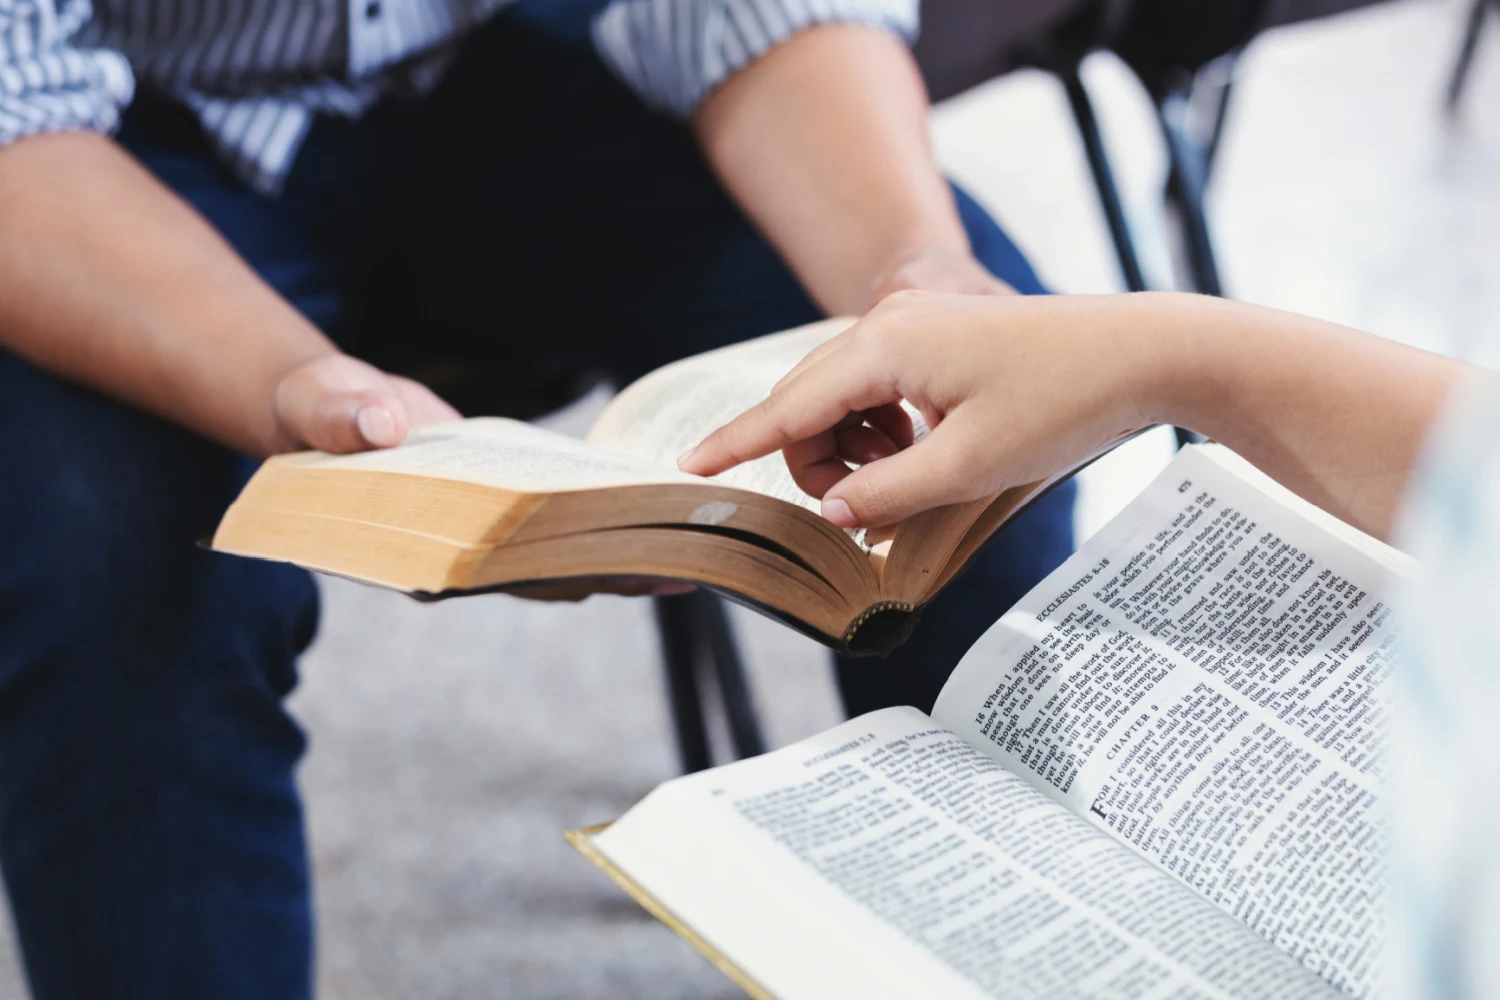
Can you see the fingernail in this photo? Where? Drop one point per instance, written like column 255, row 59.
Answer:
column 376, row 425
column 838, row 512
column 685, row 456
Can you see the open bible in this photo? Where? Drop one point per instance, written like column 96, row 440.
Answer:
column 1155, row 776
column 487, row 504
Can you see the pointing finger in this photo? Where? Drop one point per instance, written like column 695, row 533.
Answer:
column 819, row 398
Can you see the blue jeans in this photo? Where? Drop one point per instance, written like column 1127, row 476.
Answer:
column 151, row 832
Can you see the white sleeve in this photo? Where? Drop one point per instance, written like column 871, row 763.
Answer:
column 48, row 85
column 673, row 52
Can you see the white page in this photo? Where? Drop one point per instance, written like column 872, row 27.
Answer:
column 1203, row 679
column 887, row 858
column 663, row 414
column 494, row 451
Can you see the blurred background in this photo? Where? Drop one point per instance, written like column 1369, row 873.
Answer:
column 452, row 744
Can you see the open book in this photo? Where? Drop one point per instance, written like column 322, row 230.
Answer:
column 1155, row 776
column 490, row 503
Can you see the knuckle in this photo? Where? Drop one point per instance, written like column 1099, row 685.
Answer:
column 874, row 338
column 731, row 444
column 948, row 470
column 873, row 502
column 884, row 348
column 903, row 301
column 712, row 449
column 773, row 420
column 904, row 297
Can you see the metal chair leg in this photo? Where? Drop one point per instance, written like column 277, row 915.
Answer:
column 696, row 636
column 1186, row 180
column 1104, row 181
column 1221, row 115
column 1190, row 160
column 1109, row 196
column 1466, row 48
column 734, row 687
column 1188, row 176
column 679, row 646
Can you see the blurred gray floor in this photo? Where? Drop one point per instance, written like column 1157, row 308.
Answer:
column 452, row 744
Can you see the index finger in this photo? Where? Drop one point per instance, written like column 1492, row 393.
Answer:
column 827, row 347
column 816, row 400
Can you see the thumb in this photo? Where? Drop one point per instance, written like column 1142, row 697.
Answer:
column 931, row 473
column 342, row 422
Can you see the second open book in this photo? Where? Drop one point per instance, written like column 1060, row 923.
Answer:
column 488, row 504
column 1155, row 777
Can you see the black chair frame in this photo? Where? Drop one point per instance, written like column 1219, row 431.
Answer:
column 1178, row 93
column 1473, row 27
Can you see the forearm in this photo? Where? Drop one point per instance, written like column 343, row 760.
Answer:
column 112, row 281
column 824, row 143
column 1337, row 416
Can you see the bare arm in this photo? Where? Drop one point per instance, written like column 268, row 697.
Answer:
column 1335, row 415
column 823, row 141
column 1021, row 389
column 113, row 281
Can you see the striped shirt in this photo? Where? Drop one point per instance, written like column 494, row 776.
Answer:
column 256, row 72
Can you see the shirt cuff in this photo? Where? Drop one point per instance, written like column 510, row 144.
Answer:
column 47, row 85
column 673, row 52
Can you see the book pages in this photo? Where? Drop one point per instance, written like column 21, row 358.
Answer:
column 1203, row 680
column 665, row 413
column 886, row 857
column 582, row 840
column 509, row 454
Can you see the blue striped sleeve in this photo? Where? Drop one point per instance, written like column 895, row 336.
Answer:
column 673, row 52
column 48, row 85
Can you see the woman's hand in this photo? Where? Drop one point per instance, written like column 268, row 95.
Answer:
column 1018, row 389
column 1014, row 388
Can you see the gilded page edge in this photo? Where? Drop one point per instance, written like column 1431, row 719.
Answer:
column 582, row 841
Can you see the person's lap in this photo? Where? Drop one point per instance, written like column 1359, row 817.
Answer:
column 149, row 819
column 149, row 826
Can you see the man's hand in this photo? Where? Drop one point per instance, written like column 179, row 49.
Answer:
column 341, row 404
column 112, row 281
column 935, row 269
column 823, row 142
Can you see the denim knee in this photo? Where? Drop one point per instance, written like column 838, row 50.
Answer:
column 101, row 511
column 104, row 593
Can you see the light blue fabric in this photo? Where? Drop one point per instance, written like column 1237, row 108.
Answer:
column 673, row 52
column 256, row 71
column 1446, row 800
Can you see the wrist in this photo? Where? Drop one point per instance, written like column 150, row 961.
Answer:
column 940, row 264
column 902, row 252
column 1191, row 351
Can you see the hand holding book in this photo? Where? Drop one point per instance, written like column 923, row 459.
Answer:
column 1022, row 392
column 341, row 404
column 488, row 504
column 1017, row 389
